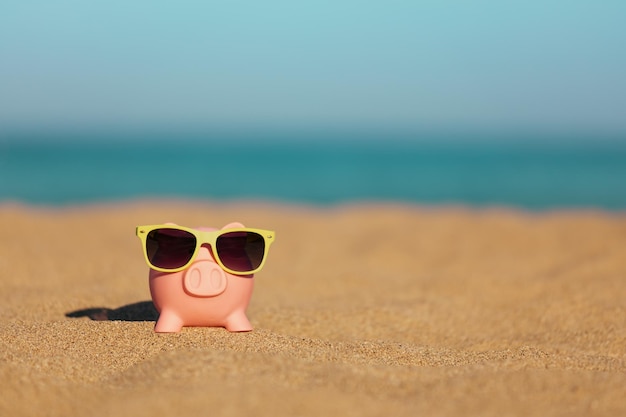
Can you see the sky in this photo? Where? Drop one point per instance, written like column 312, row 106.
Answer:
column 553, row 65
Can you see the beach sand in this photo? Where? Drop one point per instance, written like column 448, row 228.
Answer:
column 361, row 310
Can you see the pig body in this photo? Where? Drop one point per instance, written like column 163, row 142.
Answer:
column 201, row 295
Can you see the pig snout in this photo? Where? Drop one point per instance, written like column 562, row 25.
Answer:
column 205, row 279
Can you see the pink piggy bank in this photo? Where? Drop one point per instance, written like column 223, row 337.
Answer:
column 203, row 276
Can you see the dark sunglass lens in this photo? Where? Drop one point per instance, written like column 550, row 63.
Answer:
column 241, row 251
column 170, row 248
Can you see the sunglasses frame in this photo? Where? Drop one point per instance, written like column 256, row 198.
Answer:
column 203, row 237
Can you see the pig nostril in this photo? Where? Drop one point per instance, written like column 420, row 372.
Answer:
column 195, row 278
column 216, row 278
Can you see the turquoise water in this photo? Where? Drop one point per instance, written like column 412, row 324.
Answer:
column 531, row 174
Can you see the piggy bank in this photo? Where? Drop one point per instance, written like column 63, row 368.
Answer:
column 204, row 293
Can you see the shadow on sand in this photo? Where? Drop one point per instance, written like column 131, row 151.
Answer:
column 141, row 311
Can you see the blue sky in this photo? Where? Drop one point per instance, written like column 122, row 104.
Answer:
column 540, row 65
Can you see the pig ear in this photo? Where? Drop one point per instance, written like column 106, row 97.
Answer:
column 233, row 225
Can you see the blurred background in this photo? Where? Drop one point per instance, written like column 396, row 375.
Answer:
column 519, row 103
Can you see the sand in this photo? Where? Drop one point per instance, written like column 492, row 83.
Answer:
column 361, row 310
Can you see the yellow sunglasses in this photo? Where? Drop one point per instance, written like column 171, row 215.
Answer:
column 172, row 248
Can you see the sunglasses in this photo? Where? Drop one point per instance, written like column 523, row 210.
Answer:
column 172, row 248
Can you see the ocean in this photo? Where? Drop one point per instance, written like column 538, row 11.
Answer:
column 534, row 174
